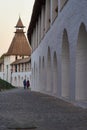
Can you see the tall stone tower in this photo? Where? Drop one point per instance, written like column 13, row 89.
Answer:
column 19, row 48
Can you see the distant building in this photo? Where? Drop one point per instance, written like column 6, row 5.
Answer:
column 16, row 64
column 58, row 36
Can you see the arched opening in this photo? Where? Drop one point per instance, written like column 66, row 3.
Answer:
column 18, row 81
column 49, row 71
column 42, row 21
column 54, row 9
column 81, row 64
column 65, row 80
column 40, row 73
column 47, row 15
column 21, row 81
column 15, row 81
column 43, row 62
column 55, row 74
column 34, row 76
column 43, row 75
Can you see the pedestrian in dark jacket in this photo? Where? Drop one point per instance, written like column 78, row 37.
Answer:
column 28, row 83
column 24, row 83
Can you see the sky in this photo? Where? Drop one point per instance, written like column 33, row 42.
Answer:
column 10, row 10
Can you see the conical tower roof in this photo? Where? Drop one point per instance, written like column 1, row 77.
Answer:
column 19, row 45
column 19, row 24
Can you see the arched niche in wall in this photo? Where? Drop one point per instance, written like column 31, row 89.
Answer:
column 47, row 15
column 49, row 71
column 55, row 74
column 43, row 21
column 81, row 64
column 15, row 81
column 34, row 75
column 54, row 9
column 43, row 74
column 43, row 62
column 40, row 73
column 65, row 73
column 19, row 81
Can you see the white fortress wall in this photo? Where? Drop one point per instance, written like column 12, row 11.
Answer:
column 52, row 56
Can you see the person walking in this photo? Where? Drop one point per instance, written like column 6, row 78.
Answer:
column 24, row 83
column 28, row 84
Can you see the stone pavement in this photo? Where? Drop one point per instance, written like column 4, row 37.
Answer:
column 21, row 108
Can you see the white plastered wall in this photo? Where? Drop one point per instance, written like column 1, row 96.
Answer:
column 70, row 19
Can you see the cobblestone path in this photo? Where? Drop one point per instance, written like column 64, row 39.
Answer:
column 21, row 108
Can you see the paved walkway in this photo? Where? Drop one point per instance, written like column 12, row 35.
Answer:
column 21, row 108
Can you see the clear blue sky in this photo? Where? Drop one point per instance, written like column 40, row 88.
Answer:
column 9, row 14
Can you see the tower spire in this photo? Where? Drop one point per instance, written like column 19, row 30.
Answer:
column 19, row 23
column 19, row 45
